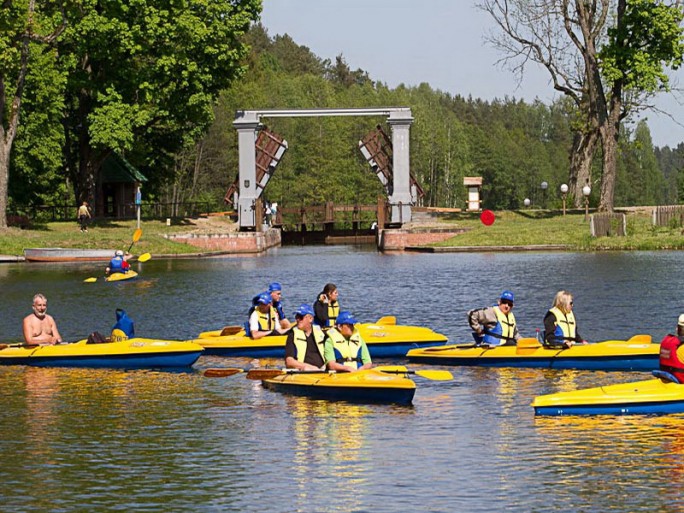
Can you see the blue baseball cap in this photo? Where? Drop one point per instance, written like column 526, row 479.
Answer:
column 303, row 310
column 275, row 286
column 264, row 299
column 508, row 296
column 346, row 318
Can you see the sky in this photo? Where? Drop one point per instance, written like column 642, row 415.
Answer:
column 440, row 42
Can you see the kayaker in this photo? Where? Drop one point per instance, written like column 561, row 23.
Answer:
column 304, row 347
column 118, row 264
column 263, row 321
column 560, row 325
column 671, row 352
column 345, row 349
column 495, row 325
column 326, row 308
column 39, row 327
column 124, row 324
column 276, row 291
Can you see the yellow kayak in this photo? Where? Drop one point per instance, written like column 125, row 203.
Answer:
column 653, row 396
column 385, row 338
column 366, row 386
column 637, row 353
column 133, row 353
column 121, row 276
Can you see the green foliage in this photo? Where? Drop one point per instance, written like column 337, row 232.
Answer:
column 648, row 38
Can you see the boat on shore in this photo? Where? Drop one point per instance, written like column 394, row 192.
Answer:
column 364, row 386
column 67, row 255
column 132, row 353
column 635, row 354
column 384, row 338
column 654, row 396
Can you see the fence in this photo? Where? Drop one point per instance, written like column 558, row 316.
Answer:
column 668, row 214
column 606, row 225
column 65, row 212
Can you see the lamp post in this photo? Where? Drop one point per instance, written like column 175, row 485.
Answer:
column 586, row 190
column 564, row 192
column 544, row 186
column 526, row 202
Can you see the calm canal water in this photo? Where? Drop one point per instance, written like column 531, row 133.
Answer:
column 108, row 440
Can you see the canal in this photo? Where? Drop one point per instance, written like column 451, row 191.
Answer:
column 108, row 440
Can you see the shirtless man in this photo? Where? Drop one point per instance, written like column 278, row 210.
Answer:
column 39, row 327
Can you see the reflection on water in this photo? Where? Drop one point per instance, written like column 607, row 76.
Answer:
column 107, row 440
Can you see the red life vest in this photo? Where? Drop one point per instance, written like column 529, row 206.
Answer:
column 669, row 360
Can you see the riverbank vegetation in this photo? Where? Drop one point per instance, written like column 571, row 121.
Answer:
column 511, row 228
column 512, row 144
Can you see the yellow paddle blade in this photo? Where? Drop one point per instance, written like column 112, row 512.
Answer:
column 437, row 375
column 387, row 320
column 641, row 339
column 90, row 280
column 144, row 257
column 137, row 234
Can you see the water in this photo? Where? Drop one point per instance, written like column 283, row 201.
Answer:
column 108, row 440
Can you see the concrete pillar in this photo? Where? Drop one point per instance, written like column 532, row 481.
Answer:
column 400, row 121
column 246, row 124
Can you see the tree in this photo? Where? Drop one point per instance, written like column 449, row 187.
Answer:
column 609, row 56
column 145, row 73
column 27, row 29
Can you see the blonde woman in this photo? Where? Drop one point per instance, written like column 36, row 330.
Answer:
column 560, row 325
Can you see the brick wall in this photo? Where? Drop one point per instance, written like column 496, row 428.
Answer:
column 238, row 242
column 397, row 240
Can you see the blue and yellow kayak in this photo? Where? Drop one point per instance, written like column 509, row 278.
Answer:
column 133, row 353
column 637, row 354
column 385, row 338
column 365, row 386
column 653, row 396
column 129, row 275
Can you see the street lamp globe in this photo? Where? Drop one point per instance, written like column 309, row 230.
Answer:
column 564, row 188
column 526, row 202
column 586, row 190
column 544, row 186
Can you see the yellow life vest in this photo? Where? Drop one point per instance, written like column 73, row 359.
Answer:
column 333, row 312
column 347, row 352
column 300, row 342
column 266, row 320
column 507, row 323
column 566, row 323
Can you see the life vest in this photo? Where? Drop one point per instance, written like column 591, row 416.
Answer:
column 669, row 359
column 333, row 312
column 503, row 331
column 116, row 265
column 347, row 352
column 300, row 342
column 267, row 321
column 566, row 328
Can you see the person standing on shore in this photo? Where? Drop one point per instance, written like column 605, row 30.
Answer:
column 83, row 216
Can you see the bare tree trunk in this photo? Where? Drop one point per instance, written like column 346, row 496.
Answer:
column 4, row 180
column 610, row 132
column 581, row 157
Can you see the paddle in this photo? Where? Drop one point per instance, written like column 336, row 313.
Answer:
column 222, row 372
column 136, row 237
column 262, row 374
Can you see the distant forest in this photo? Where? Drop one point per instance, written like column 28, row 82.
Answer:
column 512, row 144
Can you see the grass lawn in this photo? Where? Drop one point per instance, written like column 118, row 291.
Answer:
column 519, row 228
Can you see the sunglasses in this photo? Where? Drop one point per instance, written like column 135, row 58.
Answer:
column 507, row 302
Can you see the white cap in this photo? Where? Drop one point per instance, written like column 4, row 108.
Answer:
column 680, row 322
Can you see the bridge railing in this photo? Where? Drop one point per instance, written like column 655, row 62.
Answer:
column 329, row 214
